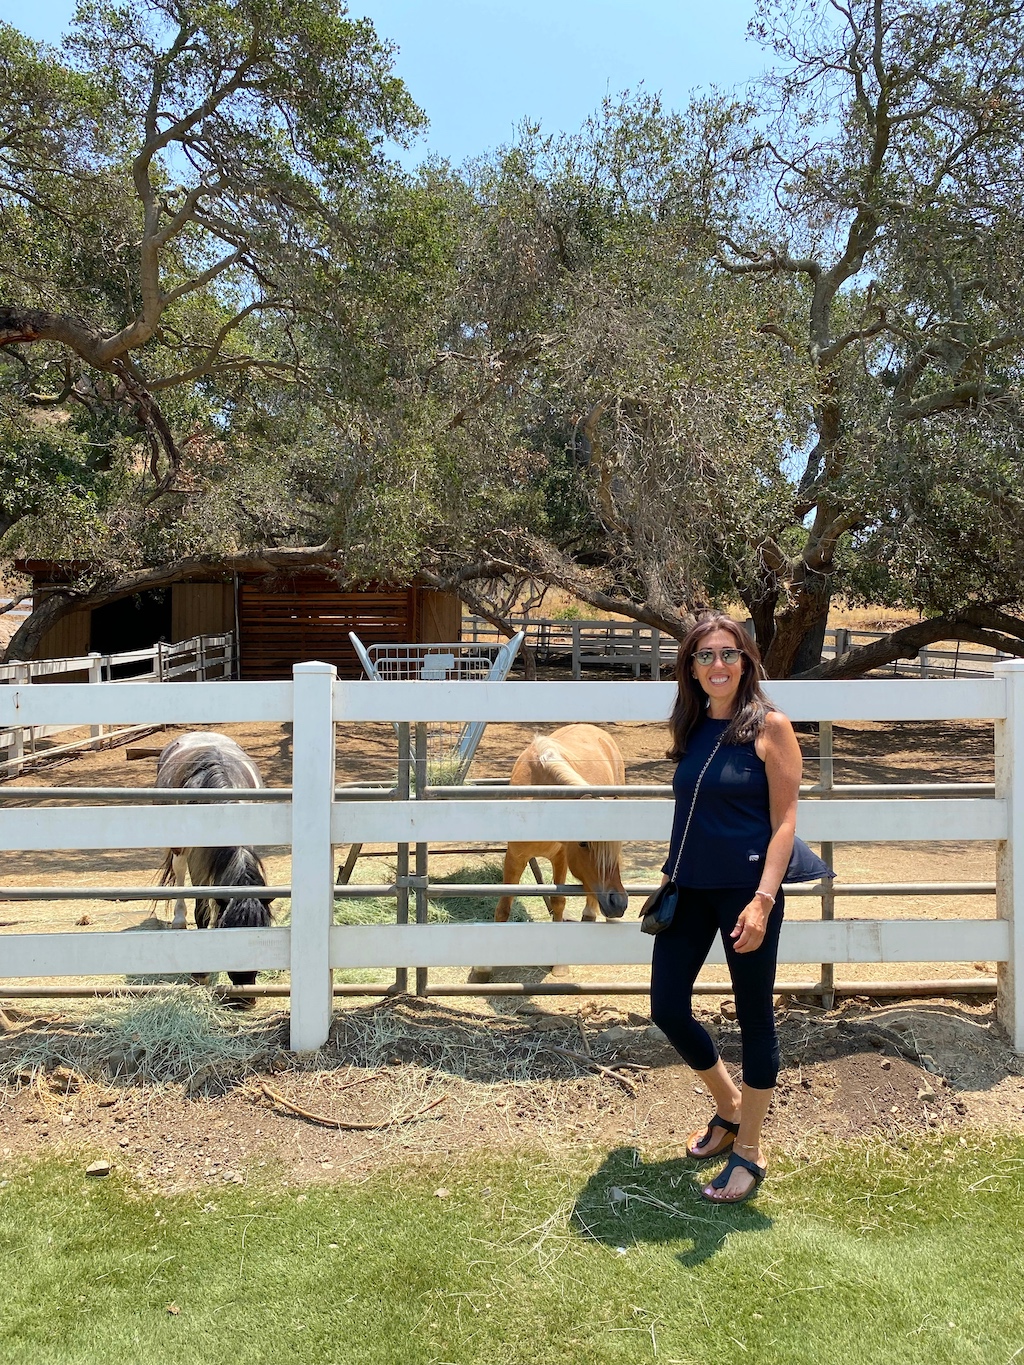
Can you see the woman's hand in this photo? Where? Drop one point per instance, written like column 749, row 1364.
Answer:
column 749, row 932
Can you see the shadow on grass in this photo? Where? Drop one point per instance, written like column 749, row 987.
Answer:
column 629, row 1201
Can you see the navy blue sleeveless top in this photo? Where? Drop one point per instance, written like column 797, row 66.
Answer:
column 731, row 825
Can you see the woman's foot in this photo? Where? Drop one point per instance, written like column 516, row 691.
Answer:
column 742, row 1182
column 717, row 1137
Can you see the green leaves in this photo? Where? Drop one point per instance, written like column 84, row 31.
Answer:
column 183, row 207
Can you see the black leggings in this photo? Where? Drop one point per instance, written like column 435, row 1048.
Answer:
column 680, row 952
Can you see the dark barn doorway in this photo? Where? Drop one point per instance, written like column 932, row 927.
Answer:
column 137, row 622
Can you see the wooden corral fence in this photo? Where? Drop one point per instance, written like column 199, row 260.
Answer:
column 628, row 646
column 313, row 817
column 201, row 659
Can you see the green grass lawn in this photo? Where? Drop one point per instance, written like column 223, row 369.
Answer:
column 871, row 1254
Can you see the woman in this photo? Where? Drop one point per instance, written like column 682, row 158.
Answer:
column 738, row 839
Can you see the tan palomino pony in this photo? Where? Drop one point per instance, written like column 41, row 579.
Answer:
column 574, row 756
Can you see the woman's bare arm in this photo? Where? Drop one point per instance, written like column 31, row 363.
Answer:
column 779, row 750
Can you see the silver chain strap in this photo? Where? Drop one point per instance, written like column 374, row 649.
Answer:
column 693, row 803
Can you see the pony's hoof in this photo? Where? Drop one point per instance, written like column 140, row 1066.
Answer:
column 480, row 974
column 559, row 969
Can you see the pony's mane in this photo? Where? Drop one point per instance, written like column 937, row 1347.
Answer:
column 239, row 866
column 212, row 762
column 206, row 768
column 605, row 853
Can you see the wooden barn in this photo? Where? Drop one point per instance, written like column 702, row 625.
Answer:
column 279, row 620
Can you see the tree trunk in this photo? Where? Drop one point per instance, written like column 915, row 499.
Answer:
column 762, row 614
column 25, row 640
column 800, row 633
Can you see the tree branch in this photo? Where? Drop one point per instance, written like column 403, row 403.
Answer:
column 198, row 281
column 960, row 396
column 831, row 352
column 23, row 326
column 905, row 644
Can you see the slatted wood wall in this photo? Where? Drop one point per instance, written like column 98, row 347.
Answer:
column 438, row 616
column 308, row 617
column 68, row 639
column 201, row 609
column 282, row 621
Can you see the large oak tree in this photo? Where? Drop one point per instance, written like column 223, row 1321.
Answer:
column 766, row 349
column 782, row 334
column 190, row 202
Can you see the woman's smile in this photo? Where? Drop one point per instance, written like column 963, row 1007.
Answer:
column 719, row 679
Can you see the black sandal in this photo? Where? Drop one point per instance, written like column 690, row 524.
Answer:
column 732, row 1131
column 722, row 1179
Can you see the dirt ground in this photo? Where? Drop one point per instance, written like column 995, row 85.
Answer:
column 508, row 1072
column 448, row 1081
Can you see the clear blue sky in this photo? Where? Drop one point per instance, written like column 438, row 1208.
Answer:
column 480, row 66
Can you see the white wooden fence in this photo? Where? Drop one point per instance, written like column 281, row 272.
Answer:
column 201, row 658
column 314, row 821
column 644, row 651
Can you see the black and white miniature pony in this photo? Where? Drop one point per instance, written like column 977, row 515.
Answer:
column 208, row 761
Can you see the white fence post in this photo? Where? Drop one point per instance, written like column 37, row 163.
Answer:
column 23, row 676
column 16, row 747
column 95, row 676
column 312, row 854
column 826, row 781
column 1009, row 748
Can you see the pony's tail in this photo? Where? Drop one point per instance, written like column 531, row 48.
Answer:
column 558, row 768
column 167, row 869
column 249, row 913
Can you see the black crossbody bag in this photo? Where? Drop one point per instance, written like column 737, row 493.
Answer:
column 659, row 910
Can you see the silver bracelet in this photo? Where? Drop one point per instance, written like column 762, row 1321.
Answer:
column 768, row 896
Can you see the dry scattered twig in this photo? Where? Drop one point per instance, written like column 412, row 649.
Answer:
column 347, row 1125
column 627, row 1082
column 359, row 1080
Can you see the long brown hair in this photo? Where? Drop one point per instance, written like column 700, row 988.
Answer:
column 691, row 700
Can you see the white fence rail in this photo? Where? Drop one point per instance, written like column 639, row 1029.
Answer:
column 202, row 658
column 643, row 651
column 317, row 817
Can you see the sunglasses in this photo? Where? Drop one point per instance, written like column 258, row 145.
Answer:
column 708, row 656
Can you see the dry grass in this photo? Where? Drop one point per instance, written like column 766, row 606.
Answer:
column 397, row 1056
column 177, row 1036
column 871, row 618
column 384, row 1061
